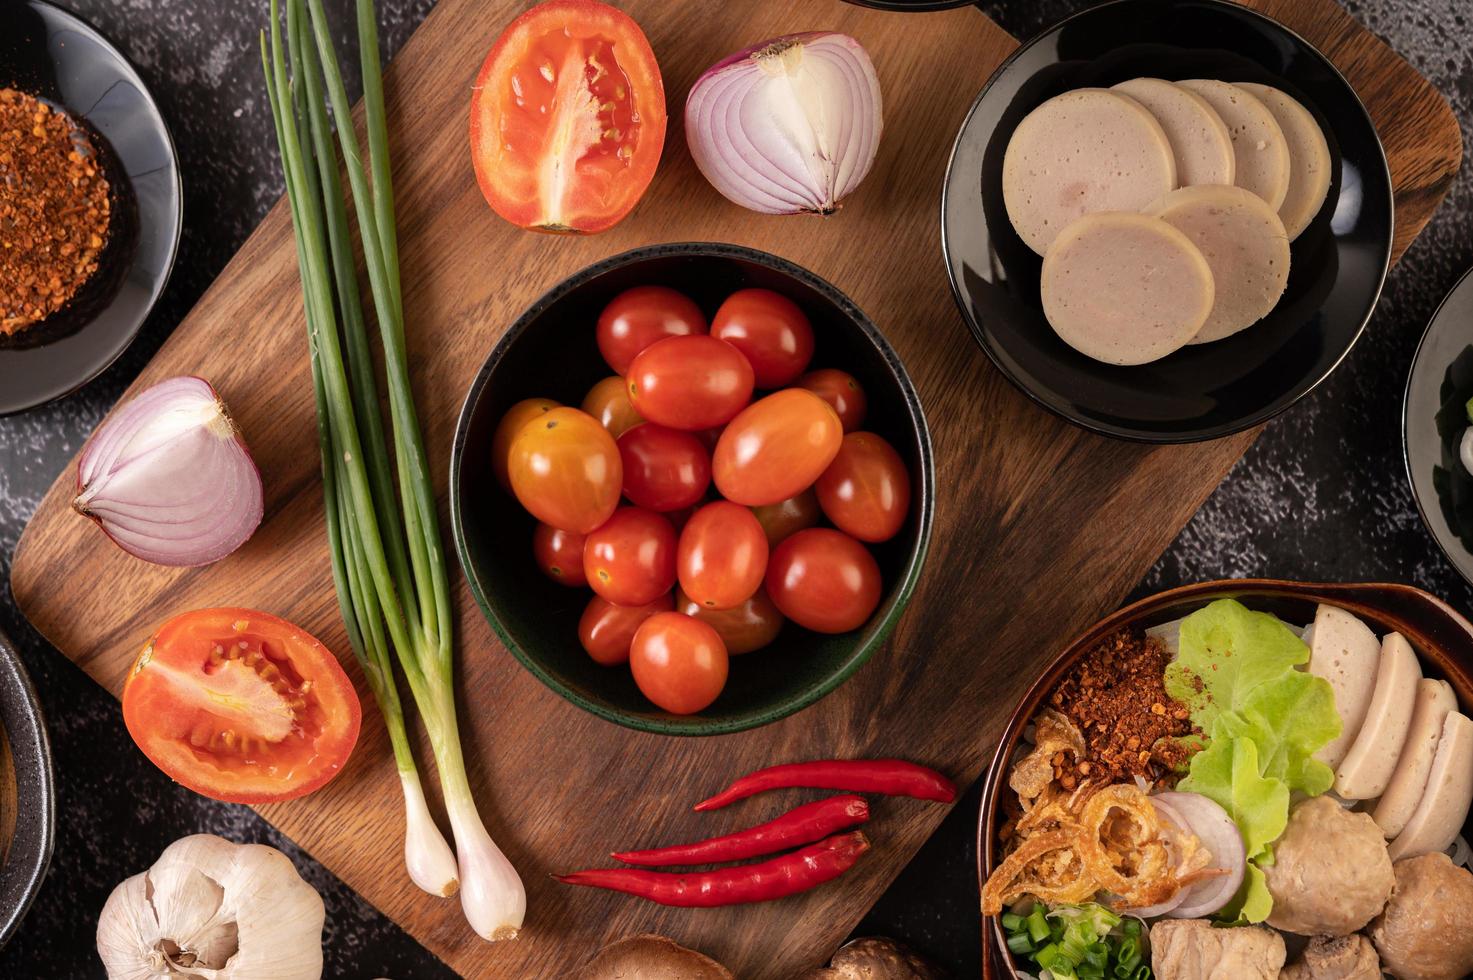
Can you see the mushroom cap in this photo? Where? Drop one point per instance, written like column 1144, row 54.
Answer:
column 873, row 958
column 651, row 957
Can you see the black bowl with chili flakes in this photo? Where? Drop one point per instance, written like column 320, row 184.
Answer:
column 89, row 248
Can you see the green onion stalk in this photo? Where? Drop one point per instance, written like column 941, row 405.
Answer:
column 383, row 531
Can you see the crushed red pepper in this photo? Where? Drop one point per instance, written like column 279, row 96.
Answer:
column 55, row 208
column 1116, row 696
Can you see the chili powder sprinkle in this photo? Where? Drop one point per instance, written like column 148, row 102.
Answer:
column 55, row 208
column 1116, row 696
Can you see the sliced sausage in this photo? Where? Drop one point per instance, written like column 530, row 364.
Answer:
column 1344, row 651
column 1367, row 768
column 1435, row 701
column 1440, row 815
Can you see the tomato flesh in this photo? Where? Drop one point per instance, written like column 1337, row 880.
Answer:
column 559, row 554
column 568, row 118
column 608, row 401
column 748, row 626
column 515, row 419
column 607, row 630
column 770, row 331
column 691, row 383
column 788, row 516
column 630, row 560
column 640, row 316
column 241, row 706
column 722, row 555
column 843, row 393
column 664, row 469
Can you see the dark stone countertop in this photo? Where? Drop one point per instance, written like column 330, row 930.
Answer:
column 1322, row 495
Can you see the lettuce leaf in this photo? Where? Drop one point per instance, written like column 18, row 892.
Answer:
column 1227, row 652
column 1228, row 772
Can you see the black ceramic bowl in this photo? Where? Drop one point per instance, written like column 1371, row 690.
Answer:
column 1204, row 391
column 550, row 351
column 27, row 796
column 60, row 58
column 1441, row 636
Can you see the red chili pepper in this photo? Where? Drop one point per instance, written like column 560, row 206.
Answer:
column 802, row 825
column 891, row 777
column 787, row 874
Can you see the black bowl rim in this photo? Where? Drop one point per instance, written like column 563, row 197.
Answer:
column 162, row 280
column 890, row 610
column 1464, row 281
column 35, row 829
column 1143, row 435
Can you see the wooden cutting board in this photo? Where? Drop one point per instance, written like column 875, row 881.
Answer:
column 1039, row 529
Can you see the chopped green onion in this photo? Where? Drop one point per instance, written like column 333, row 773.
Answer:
column 1012, row 922
column 1019, row 943
column 1038, row 927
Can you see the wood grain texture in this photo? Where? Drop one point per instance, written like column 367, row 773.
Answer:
column 1040, row 528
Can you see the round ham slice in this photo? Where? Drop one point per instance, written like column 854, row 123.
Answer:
column 1199, row 138
column 1125, row 288
column 1261, row 155
column 1309, row 157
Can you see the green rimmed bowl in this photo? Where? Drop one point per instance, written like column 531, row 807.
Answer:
column 550, row 352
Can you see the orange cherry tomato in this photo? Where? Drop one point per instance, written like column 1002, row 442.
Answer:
column 608, row 401
column 770, row 331
column 567, row 118
column 239, row 705
column 664, row 469
column 678, row 662
column 722, row 555
column 640, row 316
column 749, row 626
column 866, row 489
column 630, row 560
column 606, row 630
column 559, row 554
column 506, row 430
column 843, row 393
column 565, row 470
column 690, row 383
column 776, row 448
column 825, row 580
column 786, row 516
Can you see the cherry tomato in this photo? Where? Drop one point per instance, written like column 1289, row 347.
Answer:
column 678, row 662
column 690, row 383
column 749, row 626
column 776, row 448
column 770, row 331
column 565, row 470
column 664, row 469
column 559, row 554
column 640, row 316
column 679, row 518
column 239, row 705
column 786, row 516
column 506, row 430
column 630, row 560
column 608, row 401
column 567, row 118
column 722, row 555
column 606, row 630
column 866, row 489
column 842, row 391
column 825, row 580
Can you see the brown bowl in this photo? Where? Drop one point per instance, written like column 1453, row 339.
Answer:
column 1437, row 631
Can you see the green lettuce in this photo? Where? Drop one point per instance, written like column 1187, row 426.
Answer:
column 1237, row 672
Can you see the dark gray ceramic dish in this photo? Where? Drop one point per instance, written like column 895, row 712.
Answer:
column 60, row 58
column 1433, row 418
column 550, row 352
column 25, row 860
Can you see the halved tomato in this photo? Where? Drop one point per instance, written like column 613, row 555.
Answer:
column 568, row 118
column 241, row 706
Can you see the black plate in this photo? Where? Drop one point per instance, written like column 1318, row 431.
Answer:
column 1433, row 420
column 24, row 864
column 54, row 55
column 1204, row 391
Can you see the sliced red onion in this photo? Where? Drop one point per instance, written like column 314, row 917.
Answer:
column 788, row 125
column 169, row 478
column 1167, row 815
column 1220, row 836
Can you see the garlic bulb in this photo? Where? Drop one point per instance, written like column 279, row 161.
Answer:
column 212, row 910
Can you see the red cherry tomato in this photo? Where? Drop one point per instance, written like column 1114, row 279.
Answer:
column 841, row 391
column 565, row 470
column 825, row 580
column 606, row 630
column 678, row 662
column 664, row 469
column 770, row 330
column 749, row 626
column 640, row 316
column 608, row 401
column 567, row 118
column 776, row 448
column 722, row 555
column 866, row 489
column 559, row 554
column 787, row 516
column 506, row 430
column 631, row 559
column 690, row 383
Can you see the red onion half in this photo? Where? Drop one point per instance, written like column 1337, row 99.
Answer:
column 169, row 478
column 788, row 125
